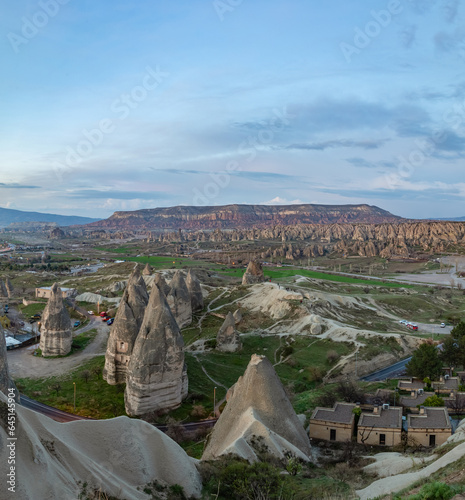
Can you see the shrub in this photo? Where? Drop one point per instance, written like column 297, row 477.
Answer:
column 332, row 356
column 437, row 490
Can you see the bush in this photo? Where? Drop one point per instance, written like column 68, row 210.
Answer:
column 436, row 490
column 332, row 356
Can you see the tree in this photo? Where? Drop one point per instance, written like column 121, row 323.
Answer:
column 450, row 354
column 425, row 362
column 85, row 375
column 459, row 330
column 433, row 401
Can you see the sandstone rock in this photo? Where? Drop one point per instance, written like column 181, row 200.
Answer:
column 56, row 234
column 55, row 334
column 159, row 280
column 157, row 375
column 125, row 329
column 147, row 270
column 5, row 380
column 9, row 287
column 116, row 457
column 3, row 290
column 253, row 273
column 195, row 291
column 179, row 300
column 228, row 339
column 258, row 411
column 237, row 316
column 117, row 286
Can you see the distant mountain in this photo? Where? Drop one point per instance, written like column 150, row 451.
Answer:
column 242, row 216
column 8, row 216
column 453, row 219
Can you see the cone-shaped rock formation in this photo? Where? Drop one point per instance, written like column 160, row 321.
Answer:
column 157, row 375
column 147, row 270
column 125, row 329
column 237, row 316
column 3, row 290
column 179, row 300
column 55, row 334
column 228, row 339
column 9, row 287
column 5, row 380
column 253, row 273
column 116, row 457
column 258, row 408
column 195, row 291
column 161, row 283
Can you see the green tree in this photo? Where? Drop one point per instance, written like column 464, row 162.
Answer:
column 433, row 401
column 425, row 362
column 450, row 354
column 459, row 330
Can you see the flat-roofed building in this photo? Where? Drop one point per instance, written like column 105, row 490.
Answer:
column 383, row 427
column 412, row 384
column 447, row 384
column 333, row 424
column 431, row 427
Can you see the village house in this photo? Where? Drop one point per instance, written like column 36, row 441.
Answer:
column 431, row 427
column 413, row 384
column 383, row 427
column 333, row 424
column 446, row 384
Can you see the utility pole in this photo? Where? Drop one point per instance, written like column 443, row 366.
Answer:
column 214, row 402
column 74, row 405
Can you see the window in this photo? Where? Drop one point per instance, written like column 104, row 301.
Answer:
column 432, row 439
column 382, row 439
column 332, row 435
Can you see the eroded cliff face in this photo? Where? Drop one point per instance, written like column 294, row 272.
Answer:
column 233, row 216
column 313, row 240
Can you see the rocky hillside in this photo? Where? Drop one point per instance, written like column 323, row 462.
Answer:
column 242, row 216
column 366, row 240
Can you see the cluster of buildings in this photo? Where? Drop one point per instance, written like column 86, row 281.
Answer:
column 387, row 425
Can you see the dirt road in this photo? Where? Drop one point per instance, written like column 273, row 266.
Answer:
column 22, row 362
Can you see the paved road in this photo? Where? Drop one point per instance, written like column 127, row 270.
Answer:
column 393, row 371
column 62, row 416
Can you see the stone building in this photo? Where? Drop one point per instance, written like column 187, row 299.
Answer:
column 125, row 329
column 333, row 424
column 157, row 373
column 383, row 427
column 431, row 427
column 55, row 333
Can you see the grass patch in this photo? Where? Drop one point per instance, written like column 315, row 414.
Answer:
column 94, row 398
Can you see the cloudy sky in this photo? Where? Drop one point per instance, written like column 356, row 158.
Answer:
column 120, row 105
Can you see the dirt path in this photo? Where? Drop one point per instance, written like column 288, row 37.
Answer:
column 22, row 363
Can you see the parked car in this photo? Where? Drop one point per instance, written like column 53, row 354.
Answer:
column 105, row 318
column 91, row 312
column 443, row 325
column 37, row 316
column 403, row 321
column 110, row 321
column 103, row 314
column 412, row 326
column 76, row 324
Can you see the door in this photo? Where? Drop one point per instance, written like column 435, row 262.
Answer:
column 432, row 439
column 382, row 439
column 332, row 435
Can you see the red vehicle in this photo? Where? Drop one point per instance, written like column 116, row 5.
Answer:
column 102, row 314
column 412, row 326
column 105, row 318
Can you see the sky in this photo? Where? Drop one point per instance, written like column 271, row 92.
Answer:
column 117, row 105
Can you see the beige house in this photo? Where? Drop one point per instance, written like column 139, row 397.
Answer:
column 333, row 424
column 431, row 427
column 446, row 384
column 413, row 384
column 416, row 398
column 383, row 427
column 46, row 291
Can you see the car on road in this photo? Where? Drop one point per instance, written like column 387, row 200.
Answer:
column 37, row 316
column 103, row 314
column 443, row 325
column 105, row 318
column 110, row 321
column 412, row 326
column 76, row 324
column 403, row 321
column 90, row 312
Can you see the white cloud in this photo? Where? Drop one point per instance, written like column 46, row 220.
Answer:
column 282, row 201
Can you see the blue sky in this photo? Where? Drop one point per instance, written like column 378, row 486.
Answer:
column 118, row 105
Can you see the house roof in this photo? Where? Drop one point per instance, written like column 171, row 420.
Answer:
column 408, row 385
column 449, row 383
column 341, row 413
column 386, row 418
column 411, row 401
column 434, row 418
